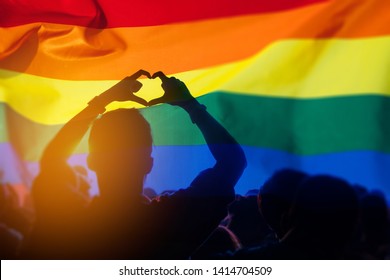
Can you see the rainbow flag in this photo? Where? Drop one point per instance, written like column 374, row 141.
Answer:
column 303, row 84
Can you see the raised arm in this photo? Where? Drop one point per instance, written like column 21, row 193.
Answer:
column 229, row 156
column 63, row 144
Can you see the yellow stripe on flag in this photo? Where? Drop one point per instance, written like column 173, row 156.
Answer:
column 291, row 68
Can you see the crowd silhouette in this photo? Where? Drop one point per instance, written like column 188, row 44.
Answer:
column 293, row 215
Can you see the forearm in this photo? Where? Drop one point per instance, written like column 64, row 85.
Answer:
column 225, row 149
column 70, row 135
column 66, row 140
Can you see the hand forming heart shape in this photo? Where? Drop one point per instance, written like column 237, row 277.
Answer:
column 175, row 90
column 125, row 89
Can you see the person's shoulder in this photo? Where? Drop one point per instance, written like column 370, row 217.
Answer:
column 58, row 181
column 211, row 183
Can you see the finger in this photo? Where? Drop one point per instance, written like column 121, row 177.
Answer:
column 129, row 84
column 139, row 100
column 156, row 101
column 140, row 73
column 160, row 75
column 135, row 86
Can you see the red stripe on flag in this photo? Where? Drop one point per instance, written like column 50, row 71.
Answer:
column 111, row 13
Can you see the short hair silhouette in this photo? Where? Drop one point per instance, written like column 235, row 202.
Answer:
column 326, row 208
column 118, row 130
column 120, row 144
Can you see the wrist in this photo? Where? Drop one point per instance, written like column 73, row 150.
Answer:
column 98, row 103
column 195, row 110
column 188, row 104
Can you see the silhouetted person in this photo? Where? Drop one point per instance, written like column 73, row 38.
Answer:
column 323, row 219
column 276, row 197
column 319, row 225
column 121, row 222
column 274, row 201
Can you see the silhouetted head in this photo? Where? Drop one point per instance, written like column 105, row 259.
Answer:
column 120, row 145
column 276, row 197
column 325, row 210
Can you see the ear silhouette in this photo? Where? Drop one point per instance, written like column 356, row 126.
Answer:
column 148, row 165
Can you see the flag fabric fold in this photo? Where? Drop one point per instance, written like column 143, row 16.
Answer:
column 301, row 84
